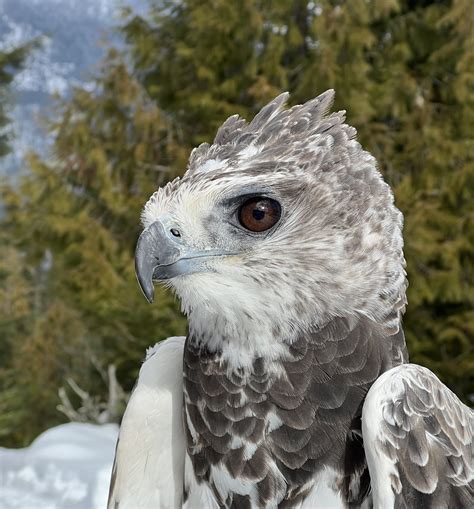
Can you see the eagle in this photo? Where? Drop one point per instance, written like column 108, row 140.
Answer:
column 292, row 388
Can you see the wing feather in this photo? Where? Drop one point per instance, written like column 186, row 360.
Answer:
column 418, row 439
column 148, row 468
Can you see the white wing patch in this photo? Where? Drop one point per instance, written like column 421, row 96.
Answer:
column 381, row 467
column 418, row 439
column 149, row 461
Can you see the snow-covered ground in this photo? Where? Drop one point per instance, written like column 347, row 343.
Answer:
column 67, row 467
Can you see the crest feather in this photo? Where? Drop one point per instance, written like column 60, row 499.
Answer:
column 228, row 129
column 268, row 112
column 274, row 133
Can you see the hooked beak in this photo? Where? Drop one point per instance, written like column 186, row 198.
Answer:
column 161, row 254
column 154, row 248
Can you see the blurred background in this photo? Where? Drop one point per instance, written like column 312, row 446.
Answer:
column 101, row 102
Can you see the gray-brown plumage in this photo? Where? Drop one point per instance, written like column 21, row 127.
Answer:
column 284, row 245
column 426, row 433
column 316, row 396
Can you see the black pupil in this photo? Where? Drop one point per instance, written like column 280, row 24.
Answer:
column 258, row 214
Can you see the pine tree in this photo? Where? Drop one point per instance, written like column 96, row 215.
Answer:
column 431, row 156
column 197, row 59
column 13, row 283
column 11, row 62
column 75, row 222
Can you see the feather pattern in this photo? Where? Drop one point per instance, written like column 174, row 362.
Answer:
column 275, row 428
column 419, row 441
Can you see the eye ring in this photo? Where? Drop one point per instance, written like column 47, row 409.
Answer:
column 259, row 214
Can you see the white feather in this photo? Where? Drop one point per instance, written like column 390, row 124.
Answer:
column 324, row 493
column 212, row 165
column 149, row 462
column 200, row 494
column 380, row 466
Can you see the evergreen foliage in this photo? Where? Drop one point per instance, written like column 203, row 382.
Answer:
column 75, row 220
column 403, row 69
column 10, row 62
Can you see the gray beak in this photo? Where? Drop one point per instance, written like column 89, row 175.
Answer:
column 155, row 247
column 161, row 254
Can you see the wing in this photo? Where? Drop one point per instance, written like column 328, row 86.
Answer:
column 418, row 440
column 149, row 459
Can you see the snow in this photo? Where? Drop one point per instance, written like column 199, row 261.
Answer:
column 67, row 467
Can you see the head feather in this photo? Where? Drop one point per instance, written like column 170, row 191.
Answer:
column 339, row 249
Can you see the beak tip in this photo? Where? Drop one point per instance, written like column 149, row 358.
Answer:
column 152, row 245
column 149, row 297
column 145, row 283
column 147, row 288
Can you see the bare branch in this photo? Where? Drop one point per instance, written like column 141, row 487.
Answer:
column 91, row 408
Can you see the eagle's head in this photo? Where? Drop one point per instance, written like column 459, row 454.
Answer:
column 278, row 226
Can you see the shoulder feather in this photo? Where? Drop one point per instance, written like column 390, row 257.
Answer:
column 149, row 460
column 418, row 439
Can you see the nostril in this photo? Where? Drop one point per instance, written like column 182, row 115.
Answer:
column 175, row 232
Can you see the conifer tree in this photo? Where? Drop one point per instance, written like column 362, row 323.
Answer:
column 13, row 284
column 430, row 156
column 75, row 222
column 11, row 62
column 206, row 61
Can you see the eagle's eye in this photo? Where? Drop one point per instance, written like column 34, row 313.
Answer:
column 259, row 214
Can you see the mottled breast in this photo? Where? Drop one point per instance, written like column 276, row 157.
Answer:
column 260, row 437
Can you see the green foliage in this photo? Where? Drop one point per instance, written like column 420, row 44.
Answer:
column 430, row 162
column 75, row 222
column 10, row 62
column 404, row 72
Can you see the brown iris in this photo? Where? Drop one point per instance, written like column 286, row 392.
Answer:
column 259, row 214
